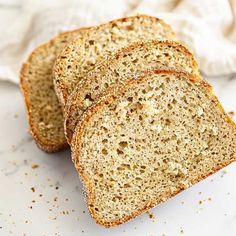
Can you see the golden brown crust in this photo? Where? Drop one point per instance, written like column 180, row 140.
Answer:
column 60, row 86
column 108, row 98
column 48, row 147
column 70, row 107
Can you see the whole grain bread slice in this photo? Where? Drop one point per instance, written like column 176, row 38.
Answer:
column 36, row 79
column 148, row 139
column 81, row 55
column 124, row 65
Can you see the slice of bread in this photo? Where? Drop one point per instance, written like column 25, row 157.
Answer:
column 80, row 56
column 43, row 109
column 148, row 139
column 124, row 65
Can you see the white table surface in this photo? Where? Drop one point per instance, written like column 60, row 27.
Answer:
column 56, row 206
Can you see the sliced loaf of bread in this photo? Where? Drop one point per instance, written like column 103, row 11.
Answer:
column 148, row 139
column 124, row 65
column 36, row 79
column 81, row 55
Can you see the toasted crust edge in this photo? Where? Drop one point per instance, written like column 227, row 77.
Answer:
column 68, row 110
column 59, row 85
column 25, row 91
column 107, row 98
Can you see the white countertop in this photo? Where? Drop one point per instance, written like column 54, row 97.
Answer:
column 48, row 200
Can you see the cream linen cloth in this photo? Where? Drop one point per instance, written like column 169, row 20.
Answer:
column 208, row 27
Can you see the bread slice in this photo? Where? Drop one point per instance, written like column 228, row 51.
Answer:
column 124, row 65
column 43, row 109
column 80, row 56
column 148, row 139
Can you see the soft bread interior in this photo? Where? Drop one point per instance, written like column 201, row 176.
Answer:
column 125, row 64
column 81, row 56
column 44, row 111
column 147, row 140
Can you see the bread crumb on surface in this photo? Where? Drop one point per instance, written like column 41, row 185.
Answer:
column 231, row 113
column 151, row 215
column 34, row 166
column 32, row 189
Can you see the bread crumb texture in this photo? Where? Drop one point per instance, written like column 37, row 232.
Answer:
column 127, row 64
column 44, row 111
column 82, row 54
column 143, row 142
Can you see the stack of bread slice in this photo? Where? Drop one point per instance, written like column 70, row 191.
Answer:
column 141, row 122
column 45, row 113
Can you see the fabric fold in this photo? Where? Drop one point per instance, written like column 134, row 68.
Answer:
column 208, row 28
